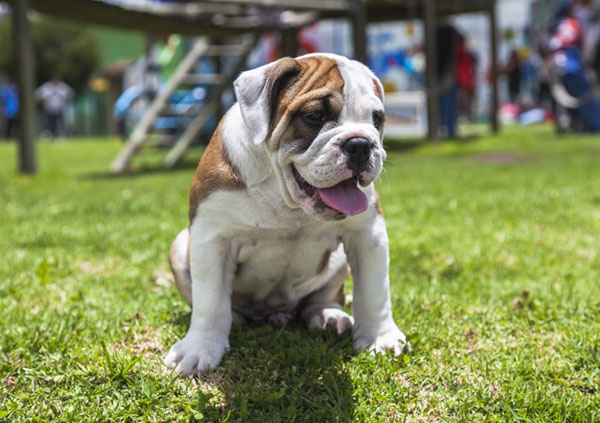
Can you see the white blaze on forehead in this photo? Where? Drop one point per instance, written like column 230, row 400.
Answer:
column 360, row 98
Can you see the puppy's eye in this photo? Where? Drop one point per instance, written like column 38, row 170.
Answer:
column 316, row 117
column 377, row 121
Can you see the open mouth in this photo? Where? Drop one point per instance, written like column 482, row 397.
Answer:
column 344, row 197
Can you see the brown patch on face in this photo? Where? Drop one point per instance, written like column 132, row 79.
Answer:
column 299, row 135
column 317, row 87
column 378, row 204
column 215, row 172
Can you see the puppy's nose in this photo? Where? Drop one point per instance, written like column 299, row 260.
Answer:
column 358, row 150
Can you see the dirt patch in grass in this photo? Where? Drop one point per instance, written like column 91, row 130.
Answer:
column 163, row 278
column 144, row 340
column 148, row 339
column 424, row 402
column 9, row 382
column 503, row 158
column 89, row 267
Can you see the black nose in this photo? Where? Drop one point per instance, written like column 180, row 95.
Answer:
column 358, row 150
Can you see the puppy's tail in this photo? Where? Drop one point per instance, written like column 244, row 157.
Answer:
column 179, row 259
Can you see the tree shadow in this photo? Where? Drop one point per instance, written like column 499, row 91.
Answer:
column 146, row 170
column 180, row 317
column 403, row 144
column 407, row 144
column 463, row 139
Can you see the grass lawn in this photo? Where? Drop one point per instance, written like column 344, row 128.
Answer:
column 495, row 270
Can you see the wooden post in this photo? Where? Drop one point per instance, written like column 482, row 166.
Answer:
column 23, row 48
column 289, row 42
column 494, row 124
column 358, row 19
column 433, row 108
column 218, row 71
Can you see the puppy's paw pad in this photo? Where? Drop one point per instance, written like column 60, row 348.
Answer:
column 192, row 356
column 334, row 318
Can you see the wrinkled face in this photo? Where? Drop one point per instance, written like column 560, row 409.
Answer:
column 324, row 135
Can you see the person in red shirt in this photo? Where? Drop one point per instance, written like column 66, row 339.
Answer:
column 465, row 77
column 568, row 30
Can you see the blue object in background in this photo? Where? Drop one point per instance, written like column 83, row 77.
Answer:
column 125, row 100
column 578, row 86
column 9, row 100
column 449, row 110
column 532, row 116
column 381, row 64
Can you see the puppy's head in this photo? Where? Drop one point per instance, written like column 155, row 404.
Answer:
column 320, row 119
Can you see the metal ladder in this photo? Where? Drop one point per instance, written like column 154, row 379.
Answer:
column 184, row 75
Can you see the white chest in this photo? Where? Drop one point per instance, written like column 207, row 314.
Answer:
column 284, row 263
column 278, row 255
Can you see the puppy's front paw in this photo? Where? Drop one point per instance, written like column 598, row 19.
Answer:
column 196, row 353
column 390, row 340
column 333, row 318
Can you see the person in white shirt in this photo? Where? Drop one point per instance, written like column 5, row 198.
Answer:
column 54, row 96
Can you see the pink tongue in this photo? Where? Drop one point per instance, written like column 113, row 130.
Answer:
column 345, row 197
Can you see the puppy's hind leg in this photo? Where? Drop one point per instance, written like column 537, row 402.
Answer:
column 179, row 259
column 324, row 308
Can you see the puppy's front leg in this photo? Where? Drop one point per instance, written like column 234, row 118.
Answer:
column 208, row 335
column 368, row 256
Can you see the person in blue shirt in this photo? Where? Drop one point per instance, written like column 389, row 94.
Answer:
column 54, row 96
column 448, row 39
column 9, row 105
column 575, row 92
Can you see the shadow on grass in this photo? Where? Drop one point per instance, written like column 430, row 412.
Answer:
column 407, row 144
column 146, row 170
column 280, row 374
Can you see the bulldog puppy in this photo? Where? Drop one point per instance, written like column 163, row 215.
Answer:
column 282, row 207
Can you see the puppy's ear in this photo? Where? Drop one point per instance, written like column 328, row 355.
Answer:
column 379, row 91
column 256, row 91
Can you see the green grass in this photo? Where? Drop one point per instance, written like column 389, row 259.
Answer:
column 495, row 278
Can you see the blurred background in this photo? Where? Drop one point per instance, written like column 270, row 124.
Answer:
column 160, row 72
column 491, row 195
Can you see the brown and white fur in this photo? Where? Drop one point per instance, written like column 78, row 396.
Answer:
column 259, row 247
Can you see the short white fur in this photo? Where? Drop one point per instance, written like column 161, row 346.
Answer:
column 254, row 243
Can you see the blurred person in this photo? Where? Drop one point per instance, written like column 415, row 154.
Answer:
column 574, row 90
column 512, row 70
column 9, row 104
column 587, row 12
column 466, row 76
column 543, row 92
column 54, row 96
column 592, row 39
column 448, row 39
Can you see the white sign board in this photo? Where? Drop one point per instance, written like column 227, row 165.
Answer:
column 406, row 114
